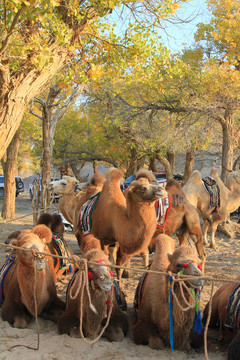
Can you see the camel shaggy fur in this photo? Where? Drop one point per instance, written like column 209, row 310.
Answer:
column 28, row 280
column 54, row 222
column 182, row 217
column 153, row 323
column 219, row 316
column 100, row 288
column 128, row 220
column 199, row 198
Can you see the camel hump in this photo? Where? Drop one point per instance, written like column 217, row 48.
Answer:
column 114, row 174
column 214, row 173
column 196, row 177
column 97, row 179
column 43, row 232
column 147, row 174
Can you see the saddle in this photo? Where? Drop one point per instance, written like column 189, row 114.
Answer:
column 233, row 311
column 61, row 248
column 85, row 214
column 4, row 270
column 213, row 190
column 162, row 207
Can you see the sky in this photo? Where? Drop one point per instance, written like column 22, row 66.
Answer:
column 176, row 36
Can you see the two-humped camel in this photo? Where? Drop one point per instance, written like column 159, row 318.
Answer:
column 130, row 221
column 182, row 217
column 29, row 285
column 199, row 198
column 155, row 304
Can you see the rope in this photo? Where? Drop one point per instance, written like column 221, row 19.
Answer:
column 76, row 260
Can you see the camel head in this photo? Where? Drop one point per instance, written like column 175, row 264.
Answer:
column 34, row 240
column 100, row 275
column 64, row 186
column 185, row 261
column 143, row 191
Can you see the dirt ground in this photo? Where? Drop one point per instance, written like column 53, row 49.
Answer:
column 221, row 262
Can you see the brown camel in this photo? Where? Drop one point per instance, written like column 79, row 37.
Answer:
column 94, row 316
column 182, row 217
column 57, row 246
column 130, row 221
column 27, row 280
column 69, row 203
column 199, row 198
column 225, row 314
column 153, row 320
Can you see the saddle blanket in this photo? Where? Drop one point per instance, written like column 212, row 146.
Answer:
column 233, row 310
column 85, row 214
column 4, row 270
column 162, row 207
column 61, row 248
column 213, row 190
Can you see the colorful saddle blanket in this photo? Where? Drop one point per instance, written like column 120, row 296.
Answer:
column 162, row 207
column 85, row 214
column 4, row 270
column 233, row 311
column 213, row 190
column 62, row 250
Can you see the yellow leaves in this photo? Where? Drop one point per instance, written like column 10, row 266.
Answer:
column 95, row 71
column 62, row 85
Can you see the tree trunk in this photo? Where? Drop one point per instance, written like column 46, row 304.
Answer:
column 167, row 166
column 189, row 163
column 133, row 163
column 152, row 164
column 46, row 159
column 21, row 90
column 9, row 169
column 230, row 142
column 171, row 159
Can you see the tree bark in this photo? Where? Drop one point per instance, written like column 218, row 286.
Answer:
column 167, row 166
column 171, row 159
column 9, row 168
column 189, row 163
column 21, row 89
column 230, row 142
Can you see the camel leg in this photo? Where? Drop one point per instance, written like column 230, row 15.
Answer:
column 145, row 256
column 213, row 229
column 122, row 259
column 145, row 333
column 205, row 231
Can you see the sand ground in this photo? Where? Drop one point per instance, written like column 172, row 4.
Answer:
column 222, row 261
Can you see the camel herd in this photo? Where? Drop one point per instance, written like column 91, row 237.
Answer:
column 104, row 218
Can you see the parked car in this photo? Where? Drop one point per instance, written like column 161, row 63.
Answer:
column 34, row 183
column 19, row 185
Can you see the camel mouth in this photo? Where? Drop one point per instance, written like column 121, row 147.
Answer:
column 106, row 286
column 161, row 193
column 196, row 283
column 40, row 264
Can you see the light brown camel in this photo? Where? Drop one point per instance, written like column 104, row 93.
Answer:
column 101, row 291
column 153, row 320
column 57, row 246
column 67, row 198
column 130, row 221
column 27, row 280
column 224, row 317
column 69, row 203
column 199, row 198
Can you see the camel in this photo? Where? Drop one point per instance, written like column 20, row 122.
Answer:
column 182, row 217
column 27, row 280
column 128, row 220
column 199, row 198
column 94, row 316
column 223, row 315
column 57, row 246
column 152, row 327
column 69, row 202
